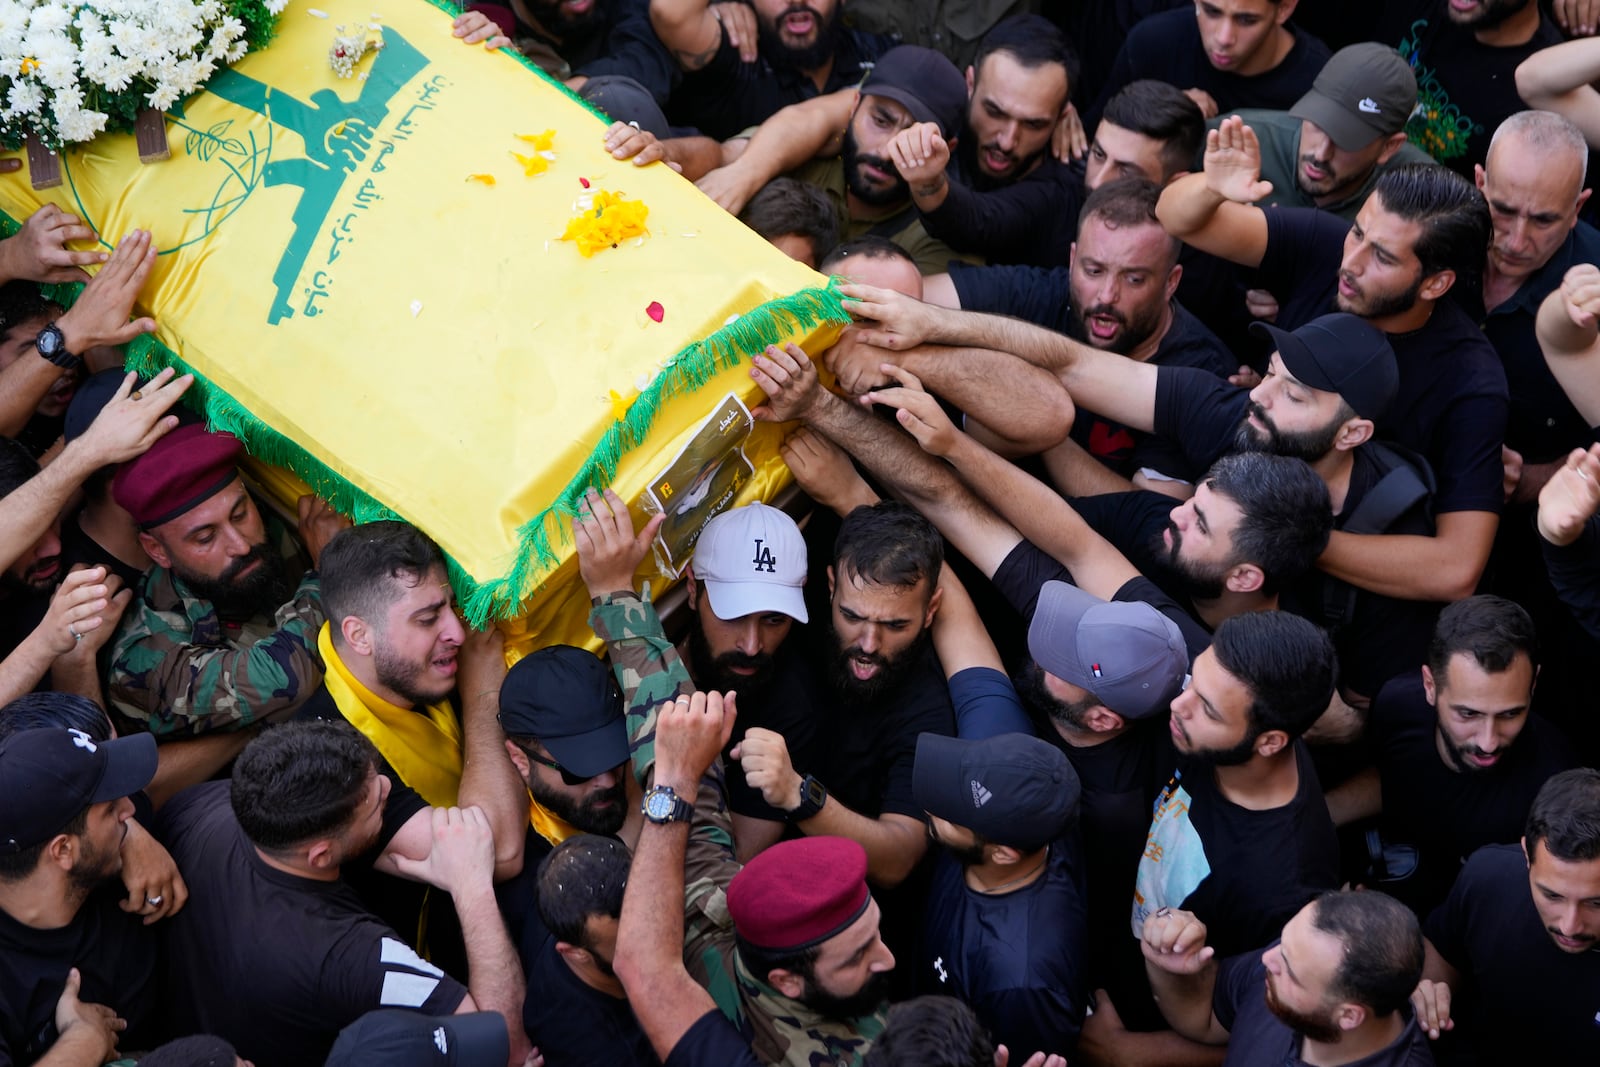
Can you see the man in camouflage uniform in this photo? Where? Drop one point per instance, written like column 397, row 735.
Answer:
column 798, row 971
column 213, row 640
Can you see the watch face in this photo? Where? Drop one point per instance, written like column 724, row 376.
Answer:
column 658, row 804
column 48, row 342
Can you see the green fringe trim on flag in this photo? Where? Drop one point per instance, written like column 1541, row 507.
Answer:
column 484, row 601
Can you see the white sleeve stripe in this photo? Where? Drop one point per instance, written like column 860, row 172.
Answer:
column 401, row 990
column 399, row 952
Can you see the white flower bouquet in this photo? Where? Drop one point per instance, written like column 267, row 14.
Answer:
column 70, row 70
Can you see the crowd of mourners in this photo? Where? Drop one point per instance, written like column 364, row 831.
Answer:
column 1176, row 655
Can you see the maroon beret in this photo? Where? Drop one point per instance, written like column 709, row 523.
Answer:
column 799, row 893
column 185, row 468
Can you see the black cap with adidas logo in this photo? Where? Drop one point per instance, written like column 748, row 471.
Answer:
column 1010, row 790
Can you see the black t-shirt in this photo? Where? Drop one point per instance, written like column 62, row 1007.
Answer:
column 20, row 614
column 1447, row 814
column 1452, row 402
column 1016, row 957
column 728, row 95
column 787, row 705
column 1168, row 48
column 116, row 955
column 1575, row 574
column 712, row 1040
column 868, row 752
column 1525, row 995
column 1133, row 522
column 572, row 1023
column 1543, row 425
column 1032, row 220
column 1243, row 872
column 1258, row 1037
column 1465, row 89
column 275, row 963
column 78, row 548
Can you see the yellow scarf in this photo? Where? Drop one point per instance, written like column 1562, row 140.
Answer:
column 547, row 824
column 424, row 748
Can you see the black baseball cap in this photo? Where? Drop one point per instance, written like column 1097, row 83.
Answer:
column 566, row 697
column 1364, row 92
column 93, row 394
column 1011, row 789
column 411, row 1039
column 925, row 82
column 1342, row 354
column 49, row 775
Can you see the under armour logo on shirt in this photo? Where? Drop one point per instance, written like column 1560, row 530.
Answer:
column 980, row 795
column 765, row 560
column 938, row 966
column 1369, row 106
column 82, row 740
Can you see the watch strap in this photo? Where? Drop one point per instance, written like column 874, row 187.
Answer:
column 682, row 810
column 813, row 795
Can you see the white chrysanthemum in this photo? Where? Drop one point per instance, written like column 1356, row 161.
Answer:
column 79, row 124
column 24, row 98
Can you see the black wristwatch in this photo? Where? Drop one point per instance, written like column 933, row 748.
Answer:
column 52, row 345
column 662, row 805
column 813, row 795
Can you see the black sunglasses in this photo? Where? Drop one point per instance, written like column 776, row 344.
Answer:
column 566, row 776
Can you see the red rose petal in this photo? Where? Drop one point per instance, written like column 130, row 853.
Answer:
column 584, row 182
column 656, row 311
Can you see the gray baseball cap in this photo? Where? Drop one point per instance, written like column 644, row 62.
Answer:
column 1129, row 655
column 1365, row 92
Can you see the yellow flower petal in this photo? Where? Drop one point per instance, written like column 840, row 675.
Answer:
column 606, row 222
column 531, row 165
column 542, row 142
column 486, row 179
column 619, row 406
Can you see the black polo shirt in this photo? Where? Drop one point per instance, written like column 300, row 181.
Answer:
column 1258, row 1037
column 728, row 95
column 1452, row 401
column 117, row 957
column 1168, row 48
column 275, row 963
column 1445, row 813
column 1543, row 425
column 712, row 1039
column 1522, row 992
column 1031, row 220
column 1465, row 89
column 569, row 1021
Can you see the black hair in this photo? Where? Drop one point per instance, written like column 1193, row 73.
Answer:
column 17, row 465
column 1161, row 112
column 800, row 962
column 1452, row 213
column 888, row 543
column 788, row 205
column 1566, row 816
column 1382, row 947
column 1033, row 41
column 33, row 711
column 15, row 866
column 868, row 246
column 198, row 1050
column 361, row 566
column 1128, row 202
column 583, row 876
column 1287, row 663
column 301, row 781
column 1285, row 514
column 932, row 1031
column 1492, row 629
column 22, row 301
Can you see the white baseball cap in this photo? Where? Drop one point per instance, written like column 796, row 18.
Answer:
column 752, row 559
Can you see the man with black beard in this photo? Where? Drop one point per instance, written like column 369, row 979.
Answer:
column 804, row 52
column 1465, row 54
column 745, row 587
column 1333, row 989
column 882, row 688
column 213, row 640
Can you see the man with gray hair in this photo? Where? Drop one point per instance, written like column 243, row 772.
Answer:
column 1534, row 182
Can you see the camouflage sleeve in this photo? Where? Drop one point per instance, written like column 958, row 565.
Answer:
column 650, row 672
column 181, row 677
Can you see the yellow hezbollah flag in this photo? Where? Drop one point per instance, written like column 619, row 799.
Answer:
column 369, row 276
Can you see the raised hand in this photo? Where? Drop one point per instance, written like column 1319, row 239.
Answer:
column 1175, row 941
column 38, row 252
column 474, row 26
column 643, row 147
column 690, row 733
column 100, row 315
column 920, row 153
column 608, row 550
column 134, row 419
column 764, row 756
column 890, row 319
column 83, row 604
column 918, row 411
column 462, row 856
column 1570, row 497
column 789, row 379
column 1233, row 162
column 825, row 471
column 1580, row 295
column 319, row 524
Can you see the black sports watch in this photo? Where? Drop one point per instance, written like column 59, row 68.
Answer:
column 813, row 795
column 662, row 805
column 52, row 345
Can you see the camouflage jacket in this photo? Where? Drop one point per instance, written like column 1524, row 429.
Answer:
column 781, row 1030
column 176, row 669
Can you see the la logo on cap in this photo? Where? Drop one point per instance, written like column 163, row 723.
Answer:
column 765, row 560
